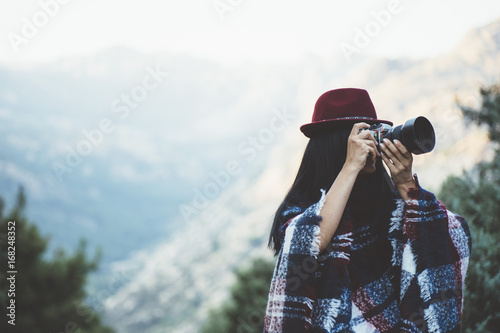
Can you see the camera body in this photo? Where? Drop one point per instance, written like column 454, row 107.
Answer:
column 416, row 134
column 379, row 131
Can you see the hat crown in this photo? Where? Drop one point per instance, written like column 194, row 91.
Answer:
column 344, row 103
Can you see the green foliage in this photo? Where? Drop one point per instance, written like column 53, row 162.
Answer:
column 488, row 113
column 244, row 311
column 476, row 196
column 49, row 294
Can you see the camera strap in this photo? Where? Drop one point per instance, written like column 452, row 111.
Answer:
column 389, row 181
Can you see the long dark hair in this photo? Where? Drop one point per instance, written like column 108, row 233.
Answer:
column 323, row 159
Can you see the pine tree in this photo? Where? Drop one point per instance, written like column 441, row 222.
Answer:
column 48, row 295
column 476, row 196
column 244, row 311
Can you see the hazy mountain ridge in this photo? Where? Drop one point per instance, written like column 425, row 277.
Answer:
column 173, row 286
column 125, row 195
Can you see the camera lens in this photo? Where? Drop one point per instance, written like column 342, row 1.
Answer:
column 417, row 135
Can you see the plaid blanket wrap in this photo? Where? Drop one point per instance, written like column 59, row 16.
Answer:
column 409, row 280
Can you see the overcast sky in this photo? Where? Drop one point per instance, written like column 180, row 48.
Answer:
column 234, row 31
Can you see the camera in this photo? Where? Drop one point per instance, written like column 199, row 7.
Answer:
column 416, row 134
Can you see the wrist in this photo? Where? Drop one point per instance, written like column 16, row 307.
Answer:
column 350, row 170
column 405, row 188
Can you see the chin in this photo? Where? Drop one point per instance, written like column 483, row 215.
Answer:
column 369, row 168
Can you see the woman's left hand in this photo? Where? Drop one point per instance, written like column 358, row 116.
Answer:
column 399, row 161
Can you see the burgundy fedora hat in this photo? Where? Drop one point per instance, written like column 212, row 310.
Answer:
column 346, row 105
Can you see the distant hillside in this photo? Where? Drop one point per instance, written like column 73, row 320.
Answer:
column 171, row 287
column 121, row 189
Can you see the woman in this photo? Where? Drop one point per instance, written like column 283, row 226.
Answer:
column 359, row 251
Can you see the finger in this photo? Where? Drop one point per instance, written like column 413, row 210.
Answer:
column 396, row 154
column 406, row 154
column 358, row 127
column 373, row 144
column 366, row 135
column 394, row 164
column 395, row 151
column 369, row 139
column 390, row 165
column 369, row 153
column 389, row 154
column 373, row 153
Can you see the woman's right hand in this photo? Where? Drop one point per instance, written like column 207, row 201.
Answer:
column 361, row 146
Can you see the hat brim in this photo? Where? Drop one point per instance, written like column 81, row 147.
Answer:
column 318, row 127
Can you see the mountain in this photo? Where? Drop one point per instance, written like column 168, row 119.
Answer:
column 225, row 223
column 103, row 158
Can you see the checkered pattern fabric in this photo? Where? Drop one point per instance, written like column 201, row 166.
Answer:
column 408, row 279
